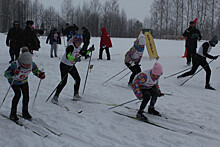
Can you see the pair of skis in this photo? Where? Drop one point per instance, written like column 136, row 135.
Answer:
column 37, row 126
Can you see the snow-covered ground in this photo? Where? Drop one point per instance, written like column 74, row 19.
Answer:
column 191, row 104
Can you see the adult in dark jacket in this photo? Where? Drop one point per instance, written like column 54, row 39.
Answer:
column 105, row 43
column 192, row 34
column 68, row 29
column 86, row 41
column 14, row 41
column 55, row 39
column 30, row 38
column 200, row 59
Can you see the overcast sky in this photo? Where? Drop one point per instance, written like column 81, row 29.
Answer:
column 134, row 8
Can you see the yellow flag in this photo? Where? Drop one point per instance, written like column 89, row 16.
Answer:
column 151, row 48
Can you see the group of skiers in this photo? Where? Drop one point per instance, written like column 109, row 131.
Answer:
column 144, row 84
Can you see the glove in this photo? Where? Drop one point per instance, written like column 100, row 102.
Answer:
column 91, row 48
column 160, row 94
column 78, row 59
column 42, row 75
column 215, row 57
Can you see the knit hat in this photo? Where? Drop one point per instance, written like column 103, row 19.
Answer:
column 141, row 40
column 214, row 40
column 77, row 38
column 25, row 58
column 24, row 49
column 157, row 69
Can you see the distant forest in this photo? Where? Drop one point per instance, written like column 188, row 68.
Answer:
column 168, row 17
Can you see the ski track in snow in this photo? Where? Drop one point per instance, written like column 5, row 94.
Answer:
column 97, row 126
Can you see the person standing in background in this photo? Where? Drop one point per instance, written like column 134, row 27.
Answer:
column 14, row 41
column 55, row 39
column 105, row 44
column 192, row 34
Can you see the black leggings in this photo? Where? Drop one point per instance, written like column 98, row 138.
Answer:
column 135, row 70
column 65, row 69
column 199, row 60
column 24, row 88
column 147, row 95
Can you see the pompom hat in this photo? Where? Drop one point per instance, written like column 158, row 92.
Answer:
column 157, row 69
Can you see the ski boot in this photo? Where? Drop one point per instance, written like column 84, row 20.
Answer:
column 141, row 116
column 55, row 100
column 77, row 96
column 151, row 110
column 26, row 115
column 14, row 117
column 209, row 87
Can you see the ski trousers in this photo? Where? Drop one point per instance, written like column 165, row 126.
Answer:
column 199, row 60
column 148, row 94
column 65, row 70
column 24, row 88
column 135, row 70
column 107, row 52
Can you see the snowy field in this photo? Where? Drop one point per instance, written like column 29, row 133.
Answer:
column 191, row 108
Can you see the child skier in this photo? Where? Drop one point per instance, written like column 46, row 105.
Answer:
column 67, row 65
column 17, row 75
column 145, row 86
column 133, row 57
column 200, row 59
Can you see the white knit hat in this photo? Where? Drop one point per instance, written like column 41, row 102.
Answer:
column 141, row 40
column 25, row 58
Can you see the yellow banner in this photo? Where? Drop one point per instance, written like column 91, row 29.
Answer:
column 151, row 48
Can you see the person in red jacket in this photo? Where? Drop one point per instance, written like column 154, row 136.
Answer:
column 105, row 43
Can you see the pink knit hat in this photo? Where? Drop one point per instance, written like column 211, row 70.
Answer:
column 157, row 69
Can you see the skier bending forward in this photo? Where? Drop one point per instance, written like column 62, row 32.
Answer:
column 145, row 87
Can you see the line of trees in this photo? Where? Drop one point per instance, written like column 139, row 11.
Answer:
column 92, row 15
column 171, row 17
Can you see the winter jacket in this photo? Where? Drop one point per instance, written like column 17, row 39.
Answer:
column 23, row 76
column 52, row 39
column 30, row 38
column 192, row 34
column 143, row 81
column 86, row 36
column 70, row 55
column 14, row 37
column 72, row 29
column 134, row 54
column 105, row 39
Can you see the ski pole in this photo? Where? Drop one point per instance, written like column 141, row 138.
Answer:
column 115, row 75
column 7, row 92
column 60, row 83
column 123, row 103
column 87, row 72
column 124, row 75
column 177, row 73
column 195, row 73
column 36, row 93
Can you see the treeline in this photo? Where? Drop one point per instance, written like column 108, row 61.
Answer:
column 93, row 15
column 171, row 17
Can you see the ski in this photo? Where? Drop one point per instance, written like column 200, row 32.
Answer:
column 154, row 124
column 36, row 130
column 92, row 102
column 38, row 121
column 125, row 87
column 169, row 118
